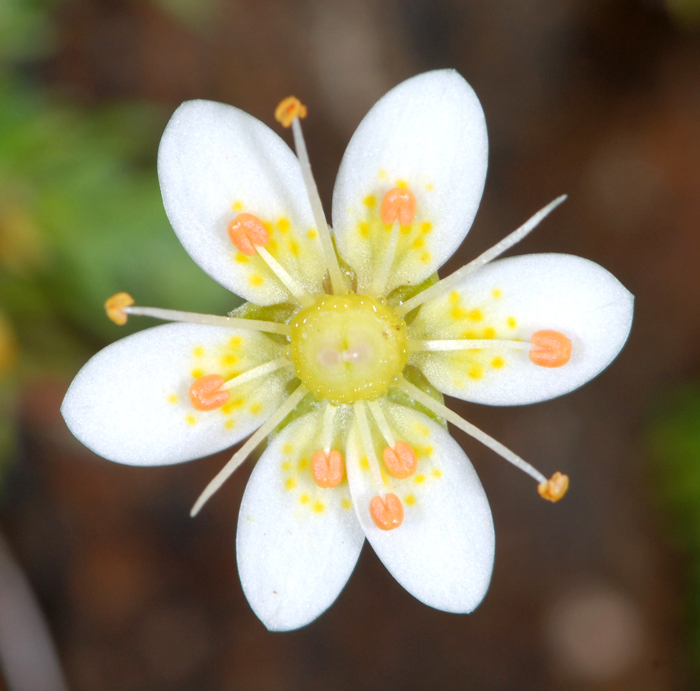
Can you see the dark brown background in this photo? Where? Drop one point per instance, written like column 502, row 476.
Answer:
column 600, row 100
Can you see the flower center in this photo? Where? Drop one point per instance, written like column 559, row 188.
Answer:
column 347, row 348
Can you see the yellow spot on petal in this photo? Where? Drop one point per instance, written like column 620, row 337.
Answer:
column 256, row 408
column 418, row 243
column 172, row 398
column 198, row 351
column 425, row 257
column 229, row 424
column 190, row 419
column 197, row 373
column 235, row 341
column 421, row 429
column 469, row 333
column 294, row 247
column 427, row 450
column 476, row 315
column 364, row 463
column 286, row 466
column 283, row 225
column 228, row 360
column 475, row 372
column 226, row 408
column 311, row 234
column 429, row 187
column 304, row 499
column 498, row 362
column 370, row 200
column 496, row 292
column 319, row 506
column 455, row 297
column 256, row 280
column 363, row 229
column 511, row 322
column 268, row 226
column 410, row 499
column 382, row 174
column 287, row 448
column 272, row 245
column 241, row 258
column 346, row 503
column 458, row 312
column 437, row 472
column 237, row 206
column 426, row 227
column 236, row 402
column 303, row 464
column 489, row 332
column 402, row 184
column 290, row 483
column 420, row 479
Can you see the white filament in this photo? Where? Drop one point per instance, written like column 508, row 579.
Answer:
column 473, row 431
column 490, row 254
column 247, row 448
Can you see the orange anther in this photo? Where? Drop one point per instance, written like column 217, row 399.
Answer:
column 555, row 488
column 327, row 468
column 205, row 394
column 553, row 349
column 289, row 110
column 386, row 513
column 400, row 461
column 399, row 202
column 115, row 305
column 246, row 231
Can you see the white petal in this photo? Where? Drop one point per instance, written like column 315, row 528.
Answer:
column 443, row 552
column 428, row 132
column 130, row 403
column 297, row 544
column 512, row 299
column 216, row 161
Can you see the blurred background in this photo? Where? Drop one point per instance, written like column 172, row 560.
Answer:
column 600, row 100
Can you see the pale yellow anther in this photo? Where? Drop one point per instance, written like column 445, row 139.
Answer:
column 115, row 305
column 555, row 488
column 289, row 110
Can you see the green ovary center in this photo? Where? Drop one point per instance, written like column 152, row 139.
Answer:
column 348, row 348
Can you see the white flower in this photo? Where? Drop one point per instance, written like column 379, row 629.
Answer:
column 340, row 353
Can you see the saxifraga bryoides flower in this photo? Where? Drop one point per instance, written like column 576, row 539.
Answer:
column 346, row 345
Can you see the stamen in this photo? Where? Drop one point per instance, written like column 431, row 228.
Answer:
column 387, row 512
column 328, row 469
column 401, row 461
column 256, row 372
column 209, row 320
column 247, row 448
column 294, row 288
column 399, row 202
column 552, row 349
column 399, row 456
column 554, row 488
column 288, row 112
column 115, row 305
column 206, row 393
column 491, row 254
column 246, row 231
column 415, row 345
column 368, row 444
column 473, row 431
column 398, row 208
